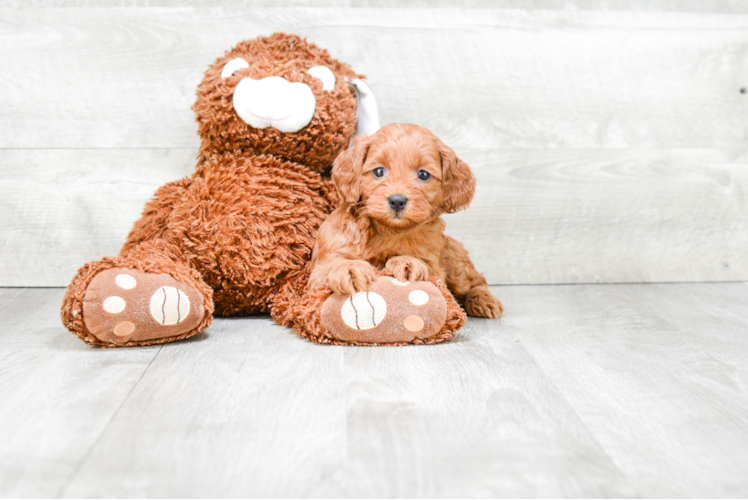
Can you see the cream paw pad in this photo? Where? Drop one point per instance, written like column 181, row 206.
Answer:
column 127, row 305
column 391, row 311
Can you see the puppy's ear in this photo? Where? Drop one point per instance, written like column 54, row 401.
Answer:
column 458, row 181
column 346, row 171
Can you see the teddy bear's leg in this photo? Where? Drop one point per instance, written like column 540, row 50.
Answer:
column 150, row 295
column 389, row 313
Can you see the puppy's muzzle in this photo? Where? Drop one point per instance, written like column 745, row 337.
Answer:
column 397, row 202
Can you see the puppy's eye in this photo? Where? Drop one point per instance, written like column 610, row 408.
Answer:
column 423, row 175
column 378, row 172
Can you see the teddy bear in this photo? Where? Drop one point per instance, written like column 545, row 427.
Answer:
column 236, row 236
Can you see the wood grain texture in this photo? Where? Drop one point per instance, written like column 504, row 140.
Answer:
column 539, row 216
column 250, row 409
column 57, row 396
column 601, row 216
column 587, row 390
column 254, row 411
column 472, row 418
column 607, row 5
column 608, row 141
column 478, row 78
column 656, row 372
column 63, row 208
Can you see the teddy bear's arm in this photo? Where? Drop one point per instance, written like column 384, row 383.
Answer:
column 154, row 219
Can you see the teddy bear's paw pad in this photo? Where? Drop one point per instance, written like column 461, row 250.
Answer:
column 127, row 305
column 391, row 311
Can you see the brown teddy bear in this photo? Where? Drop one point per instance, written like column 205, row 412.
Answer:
column 236, row 237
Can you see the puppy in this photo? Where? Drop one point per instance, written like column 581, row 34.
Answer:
column 395, row 185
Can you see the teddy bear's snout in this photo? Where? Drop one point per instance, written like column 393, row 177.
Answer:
column 274, row 102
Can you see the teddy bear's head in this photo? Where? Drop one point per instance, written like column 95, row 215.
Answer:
column 279, row 95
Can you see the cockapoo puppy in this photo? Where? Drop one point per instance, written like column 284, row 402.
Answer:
column 395, row 185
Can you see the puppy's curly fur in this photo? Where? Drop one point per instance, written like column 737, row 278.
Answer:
column 395, row 186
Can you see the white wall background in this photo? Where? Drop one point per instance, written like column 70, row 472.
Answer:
column 608, row 138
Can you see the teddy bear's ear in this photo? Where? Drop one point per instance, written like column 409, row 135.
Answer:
column 367, row 112
column 458, row 181
column 347, row 168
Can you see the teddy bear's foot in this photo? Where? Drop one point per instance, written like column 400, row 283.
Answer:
column 393, row 312
column 119, row 301
column 124, row 306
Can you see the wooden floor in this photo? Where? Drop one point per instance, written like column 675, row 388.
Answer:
column 580, row 390
column 609, row 140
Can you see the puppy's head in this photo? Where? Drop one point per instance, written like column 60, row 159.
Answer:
column 403, row 176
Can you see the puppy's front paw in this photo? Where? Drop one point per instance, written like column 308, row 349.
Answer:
column 479, row 302
column 406, row 268
column 351, row 276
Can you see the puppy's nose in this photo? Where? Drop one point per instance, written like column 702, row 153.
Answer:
column 397, row 202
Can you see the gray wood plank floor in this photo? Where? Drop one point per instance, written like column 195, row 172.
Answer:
column 582, row 390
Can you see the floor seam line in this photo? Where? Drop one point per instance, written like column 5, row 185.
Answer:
column 106, row 427
column 579, row 417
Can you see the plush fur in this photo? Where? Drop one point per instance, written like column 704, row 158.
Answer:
column 241, row 229
column 370, row 230
column 299, row 308
column 289, row 57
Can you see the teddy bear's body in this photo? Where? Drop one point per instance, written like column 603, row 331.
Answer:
column 247, row 223
column 230, row 239
column 236, row 237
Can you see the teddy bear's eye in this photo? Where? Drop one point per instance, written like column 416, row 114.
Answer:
column 233, row 66
column 378, row 172
column 323, row 74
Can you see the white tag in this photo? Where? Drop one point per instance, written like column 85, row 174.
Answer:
column 367, row 113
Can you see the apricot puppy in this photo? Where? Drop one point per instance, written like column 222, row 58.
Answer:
column 395, row 185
